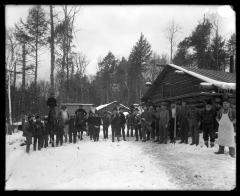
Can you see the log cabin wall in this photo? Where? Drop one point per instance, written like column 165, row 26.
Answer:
column 174, row 84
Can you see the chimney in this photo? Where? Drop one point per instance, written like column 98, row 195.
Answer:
column 231, row 70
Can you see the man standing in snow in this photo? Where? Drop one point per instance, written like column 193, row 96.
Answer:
column 146, row 121
column 137, row 124
column 122, row 122
column 130, row 125
column 106, row 122
column 38, row 133
column 72, row 130
column 156, row 115
column 172, row 121
column 208, row 121
column 226, row 118
column 194, row 122
column 115, row 124
column 183, row 122
column 45, row 134
column 81, row 117
column 163, row 123
column 59, row 131
column 28, row 129
column 65, row 118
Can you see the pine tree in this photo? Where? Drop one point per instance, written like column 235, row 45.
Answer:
column 36, row 27
column 138, row 59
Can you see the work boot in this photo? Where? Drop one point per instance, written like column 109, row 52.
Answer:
column 143, row 140
column 206, row 143
column 212, row 144
column 220, row 150
column 192, row 144
column 118, row 139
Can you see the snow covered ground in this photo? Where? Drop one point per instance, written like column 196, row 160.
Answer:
column 127, row 165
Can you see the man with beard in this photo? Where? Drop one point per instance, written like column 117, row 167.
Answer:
column 106, row 122
column 28, row 129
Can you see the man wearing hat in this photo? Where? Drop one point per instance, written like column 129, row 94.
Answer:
column 38, row 133
column 146, row 121
column 163, row 123
column 72, row 130
column 65, row 118
column 137, row 124
column 81, row 117
column 130, row 124
column 226, row 118
column 183, row 122
column 115, row 124
column 94, row 122
column 45, row 134
column 106, row 122
column 122, row 122
column 28, row 129
column 208, row 117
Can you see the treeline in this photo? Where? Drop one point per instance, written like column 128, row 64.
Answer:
column 206, row 48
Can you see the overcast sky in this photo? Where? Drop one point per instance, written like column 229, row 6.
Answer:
column 117, row 28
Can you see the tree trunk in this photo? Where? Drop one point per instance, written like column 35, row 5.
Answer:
column 23, row 76
column 52, row 52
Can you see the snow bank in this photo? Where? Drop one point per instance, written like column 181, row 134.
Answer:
column 127, row 165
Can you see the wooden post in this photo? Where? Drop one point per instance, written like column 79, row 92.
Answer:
column 175, row 121
column 9, row 99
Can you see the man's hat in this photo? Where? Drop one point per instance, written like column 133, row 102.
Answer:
column 63, row 107
column 136, row 109
column 226, row 99
column 163, row 103
column 209, row 102
column 37, row 116
column 115, row 108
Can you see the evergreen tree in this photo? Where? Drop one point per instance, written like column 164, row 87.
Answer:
column 138, row 59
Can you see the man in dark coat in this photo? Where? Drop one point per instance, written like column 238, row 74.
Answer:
column 72, row 130
column 182, row 116
column 28, row 129
column 122, row 122
column 156, row 118
column 146, row 121
column 208, row 118
column 137, row 124
column 94, row 122
column 38, row 133
column 106, row 122
column 130, row 125
column 45, row 134
column 115, row 124
column 81, row 117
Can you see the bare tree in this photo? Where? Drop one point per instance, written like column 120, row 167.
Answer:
column 172, row 30
column 52, row 50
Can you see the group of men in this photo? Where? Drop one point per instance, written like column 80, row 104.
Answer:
column 154, row 123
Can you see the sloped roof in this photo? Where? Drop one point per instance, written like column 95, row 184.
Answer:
column 213, row 74
column 105, row 105
column 210, row 76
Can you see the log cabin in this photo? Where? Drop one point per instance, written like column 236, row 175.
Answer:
column 191, row 84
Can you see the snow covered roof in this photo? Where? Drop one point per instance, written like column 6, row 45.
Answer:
column 124, row 106
column 105, row 105
column 219, row 79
